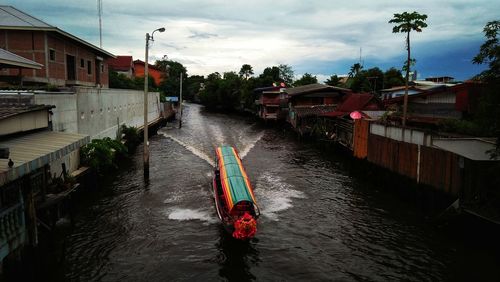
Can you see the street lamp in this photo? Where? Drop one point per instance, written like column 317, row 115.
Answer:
column 146, row 84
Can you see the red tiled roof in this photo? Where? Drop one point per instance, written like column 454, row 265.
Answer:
column 120, row 63
column 150, row 66
column 353, row 102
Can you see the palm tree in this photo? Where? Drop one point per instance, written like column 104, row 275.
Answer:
column 405, row 23
column 246, row 71
column 355, row 69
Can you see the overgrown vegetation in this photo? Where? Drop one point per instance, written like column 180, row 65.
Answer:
column 103, row 154
column 131, row 137
column 488, row 115
column 121, row 81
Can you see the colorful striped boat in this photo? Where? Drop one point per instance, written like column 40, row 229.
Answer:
column 234, row 198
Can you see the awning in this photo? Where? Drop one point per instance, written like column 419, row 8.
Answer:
column 32, row 151
column 11, row 60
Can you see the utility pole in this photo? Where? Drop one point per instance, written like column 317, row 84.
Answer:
column 99, row 8
column 180, row 103
column 146, row 125
column 146, row 84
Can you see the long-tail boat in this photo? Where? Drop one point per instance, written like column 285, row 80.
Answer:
column 234, row 198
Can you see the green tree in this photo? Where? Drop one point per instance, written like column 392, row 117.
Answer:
column 370, row 80
column 121, row 81
column 490, row 52
column 209, row 95
column 286, row 74
column 229, row 91
column 193, row 84
column 355, row 69
column 306, row 79
column 269, row 76
column 488, row 115
column 170, row 86
column 334, row 80
column 405, row 23
column 393, row 77
column 246, row 71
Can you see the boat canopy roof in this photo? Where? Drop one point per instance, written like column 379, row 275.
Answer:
column 235, row 183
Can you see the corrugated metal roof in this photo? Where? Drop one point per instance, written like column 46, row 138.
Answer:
column 472, row 148
column 10, row 59
column 12, row 18
column 14, row 110
column 32, row 151
column 315, row 87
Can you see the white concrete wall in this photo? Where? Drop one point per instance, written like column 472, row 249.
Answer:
column 64, row 118
column 401, row 134
column 71, row 160
column 99, row 112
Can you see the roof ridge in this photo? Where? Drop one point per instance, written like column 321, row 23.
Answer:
column 28, row 15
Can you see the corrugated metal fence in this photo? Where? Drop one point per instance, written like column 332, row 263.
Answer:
column 431, row 166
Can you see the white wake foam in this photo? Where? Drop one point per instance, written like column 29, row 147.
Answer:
column 192, row 149
column 217, row 135
column 274, row 195
column 183, row 214
column 249, row 146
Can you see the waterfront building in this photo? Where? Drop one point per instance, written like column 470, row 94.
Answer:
column 67, row 59
column 272, row 102
column 31, row 155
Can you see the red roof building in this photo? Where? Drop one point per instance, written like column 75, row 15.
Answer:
column 271, row 102
column 155, row 73
column 355, row 102
column 65, row 60
column 442, row 102
column 122, row 64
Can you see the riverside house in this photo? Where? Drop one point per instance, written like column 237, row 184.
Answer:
column 31, row 157
column 67, row 60
column 271, row 102
column 306, row 103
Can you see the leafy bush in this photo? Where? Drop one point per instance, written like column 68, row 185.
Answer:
column 131, row 137
column 103, row 154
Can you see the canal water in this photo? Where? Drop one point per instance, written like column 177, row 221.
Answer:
column 320, row 221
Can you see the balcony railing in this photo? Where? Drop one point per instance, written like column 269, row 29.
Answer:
column 12, row 229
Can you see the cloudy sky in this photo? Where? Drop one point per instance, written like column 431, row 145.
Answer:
column 320, row 37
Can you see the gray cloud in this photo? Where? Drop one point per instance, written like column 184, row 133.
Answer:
column 215, row 35
column 202, row 35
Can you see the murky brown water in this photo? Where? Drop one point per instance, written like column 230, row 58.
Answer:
column 319, row 222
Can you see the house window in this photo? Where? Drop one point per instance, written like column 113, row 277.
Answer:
column 52, row 54
column 102, row 67
column 89, row 67
column 82, row 63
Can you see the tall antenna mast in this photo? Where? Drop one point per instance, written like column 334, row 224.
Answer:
column 99, row 10
column 360, row 55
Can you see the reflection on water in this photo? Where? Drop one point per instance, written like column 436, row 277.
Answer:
column 236, row 257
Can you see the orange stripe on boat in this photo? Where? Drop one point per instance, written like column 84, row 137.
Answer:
column 224, row 180
column 245, row 176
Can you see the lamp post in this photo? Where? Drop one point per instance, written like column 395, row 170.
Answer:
column 146, row 84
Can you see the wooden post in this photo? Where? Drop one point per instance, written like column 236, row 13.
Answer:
column 30, row 210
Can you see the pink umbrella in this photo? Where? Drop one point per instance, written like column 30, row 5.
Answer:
column 355, row 115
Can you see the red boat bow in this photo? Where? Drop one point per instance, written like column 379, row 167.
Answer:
column 245, row 227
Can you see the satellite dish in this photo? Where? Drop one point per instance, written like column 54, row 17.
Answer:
column 355, row 115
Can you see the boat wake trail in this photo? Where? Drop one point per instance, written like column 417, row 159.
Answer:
column 183, row 214
column 274, row 195
column 247, row 147
column 192, row 149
